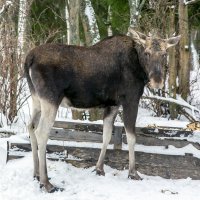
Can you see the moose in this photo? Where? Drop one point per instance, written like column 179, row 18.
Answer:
column 107, row 75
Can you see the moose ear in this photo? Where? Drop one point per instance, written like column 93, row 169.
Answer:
column 172, row 41
column 137, row 36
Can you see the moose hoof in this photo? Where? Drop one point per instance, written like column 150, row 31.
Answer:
column 134, row 176
column 56, row 189
column 37, row 178
column 100, row 172
column 51, row 188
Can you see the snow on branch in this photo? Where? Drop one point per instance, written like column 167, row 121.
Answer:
column 179, row 101
column 190, row 2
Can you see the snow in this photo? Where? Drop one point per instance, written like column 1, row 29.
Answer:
column 189, row 2
column 16, row 180
column 3, row 153
column 195, row 78
column 145, row 119
column 195, row 111
column 82, row 184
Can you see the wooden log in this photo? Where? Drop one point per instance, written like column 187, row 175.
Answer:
column 74, row 135
column 167, row 166
column 80, row 126
column 154, row 141
column 98, row 128
column 84, row 132
column 145, row 136
column 164, row 132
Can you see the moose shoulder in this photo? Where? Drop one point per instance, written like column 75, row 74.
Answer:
column 109, row 74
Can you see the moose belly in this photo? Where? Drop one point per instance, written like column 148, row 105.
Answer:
column 81, row 104
column 66, row 103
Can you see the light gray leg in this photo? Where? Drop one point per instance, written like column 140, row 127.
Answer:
column 129, row 115
column 36, row 112
column 131, row 139
column 48, row 114
column 109, row 117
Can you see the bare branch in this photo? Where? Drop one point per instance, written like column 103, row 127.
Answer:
column 141, row 5
column 191, row 2
column 182, row 104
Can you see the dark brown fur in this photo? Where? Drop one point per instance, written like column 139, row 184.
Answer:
column 109, row 74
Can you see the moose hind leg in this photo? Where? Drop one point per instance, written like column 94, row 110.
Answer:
column 36, row 112
column 48, row 114
column 109, row 117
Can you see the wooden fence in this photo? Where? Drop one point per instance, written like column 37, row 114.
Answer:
column 149, row 136
column 167, row 166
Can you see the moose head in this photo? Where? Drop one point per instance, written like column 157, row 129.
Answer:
column 153, row 55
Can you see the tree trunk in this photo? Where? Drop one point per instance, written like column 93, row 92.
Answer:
column 73, row 9
column 89, row 22
column 172, row 66
column 109, row 21
column 92, row 36
column 184, row 68
column 17, row 59
column 24, row 8
column 8, row 90
column 135, row 9
column 134, row 13
column 72, row 20
column 67, row 21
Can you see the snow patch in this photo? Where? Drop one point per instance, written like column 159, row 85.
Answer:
column 83, row 184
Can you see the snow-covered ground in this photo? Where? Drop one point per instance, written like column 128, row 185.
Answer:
column 16, row 183
column 16, row 180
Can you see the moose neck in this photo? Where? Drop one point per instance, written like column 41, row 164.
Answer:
column 142, row 61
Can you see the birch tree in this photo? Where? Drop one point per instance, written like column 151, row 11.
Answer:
column 24, row 9
column 135, row 9
column 109, row 20
column 172, row 64
column 73, row 9
column 89, row 22
column 72, row 21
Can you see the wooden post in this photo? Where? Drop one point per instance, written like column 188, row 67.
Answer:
column 184, row 68
column 118, row 137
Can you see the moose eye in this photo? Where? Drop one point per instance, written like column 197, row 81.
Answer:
column 147, row 54
column 164, row 55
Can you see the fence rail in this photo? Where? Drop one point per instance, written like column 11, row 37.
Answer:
column 90, row 132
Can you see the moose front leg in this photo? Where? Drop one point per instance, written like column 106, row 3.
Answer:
column 130, row 115
column 108, row 120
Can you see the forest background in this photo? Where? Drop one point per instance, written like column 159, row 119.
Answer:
column 25, row 24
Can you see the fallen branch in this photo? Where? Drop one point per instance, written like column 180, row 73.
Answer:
column 180, row 103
